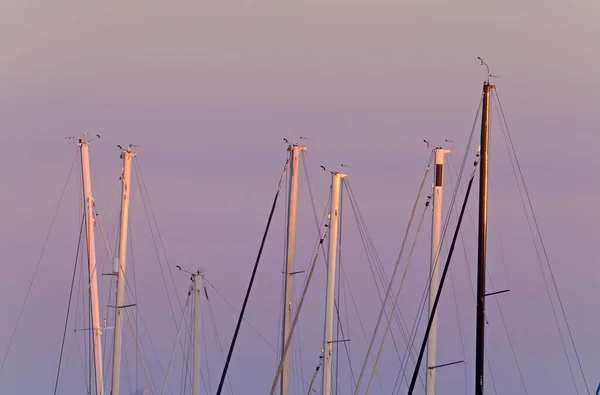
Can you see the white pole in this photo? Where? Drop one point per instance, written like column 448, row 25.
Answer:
column 198, row 279
column 93, row 278
column 436, row 231
column 289, row 257
column 334, row 223
column 127, row 156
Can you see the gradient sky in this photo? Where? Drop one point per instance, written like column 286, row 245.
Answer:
column 208, row 89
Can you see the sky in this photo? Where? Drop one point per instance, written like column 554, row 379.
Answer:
column 208, row 90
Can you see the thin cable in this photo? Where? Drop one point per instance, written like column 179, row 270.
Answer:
column 518, row 165
column 254, row 270
column 62, row 347
column 214, row 325
column 393, row 277
column 37, row 266
column 439, row 292
column 295, row 321
column 397, row 298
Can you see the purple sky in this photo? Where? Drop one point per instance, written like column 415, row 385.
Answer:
column 208, row 89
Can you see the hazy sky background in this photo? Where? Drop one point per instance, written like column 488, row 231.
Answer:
column 208, row 89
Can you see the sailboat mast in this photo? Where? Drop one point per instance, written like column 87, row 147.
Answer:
column 436, row 231
column 482, row 239
column 290, row 253
column 119, row 270
column 334, row 224
column 198, row 280
column 91, row 249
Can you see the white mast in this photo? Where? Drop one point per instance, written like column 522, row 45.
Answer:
column 436, row 231
column 198, row 280
column 289, row 258
column 93, row 278
column 119, row 269
column 334, row 223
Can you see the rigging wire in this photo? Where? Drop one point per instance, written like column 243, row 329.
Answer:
column 443, row 278
column 180, row 326
column 37, row 266
column 394, row 272
column 62, row 347
column 370, row 249
column 214, row 325
column 489, row 277
column 254, row 270
column 296, row 316
column 421, row 307
column 397, row 298
column 524, row 193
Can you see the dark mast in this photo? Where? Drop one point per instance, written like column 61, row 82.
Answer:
column 482, row 239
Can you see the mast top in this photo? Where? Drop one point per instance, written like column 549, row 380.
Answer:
column 298, row 146
column 127, row 151
column 84, row 139
column 487, row 81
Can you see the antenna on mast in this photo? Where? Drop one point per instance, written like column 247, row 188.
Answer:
column 488, row 69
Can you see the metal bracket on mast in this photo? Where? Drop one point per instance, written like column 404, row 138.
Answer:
column 445, row 364
column 121, row 307
column 496, row 293
column 338, row 341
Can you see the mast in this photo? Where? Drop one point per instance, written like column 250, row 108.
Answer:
column 91, row 249
column 289, row 258
column 119, row 269
column 198, row 280
column 436, row 231
column 334, row 223
column 482, row 239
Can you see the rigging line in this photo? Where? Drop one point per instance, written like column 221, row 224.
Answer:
column 62, row 347
column 345, row 345
column 209, row 390
column 393, row 277
column 421, row 308
column 310, row 192
column 254, row 270
column 368, row 242
column 535, row 221
column 369, row 246
column 537, row 250
column 81, row 356
column 37, row 266
column 489, row 366
column 295, row 321
column 145, row 196
column 439, row 292
column 138, row 312
column 460, row 331
column 160, row 238
column 180, row 326
column 395, row 305
column 139, row 350
column 489, row 277
column 214, row 325
column 251, row 326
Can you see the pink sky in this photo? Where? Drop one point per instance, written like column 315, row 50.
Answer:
column 208, row 89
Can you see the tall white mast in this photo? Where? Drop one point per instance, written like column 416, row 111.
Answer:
column 91, row 248
column 436, row 231
column 289, row 258
column 334, row 223
column 119, row 269
column 198, row 280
